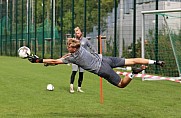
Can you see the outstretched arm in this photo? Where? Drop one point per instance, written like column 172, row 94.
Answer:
column 36, row 59
column 53, row 61
column 56, row 63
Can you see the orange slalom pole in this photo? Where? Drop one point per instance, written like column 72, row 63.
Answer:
column 101, row 88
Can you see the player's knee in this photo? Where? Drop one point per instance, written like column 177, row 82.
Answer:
column 121, row 85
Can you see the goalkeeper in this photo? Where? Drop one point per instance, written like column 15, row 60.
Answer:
column 94, row 63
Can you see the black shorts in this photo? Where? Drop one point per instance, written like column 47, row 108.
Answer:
column 106, row 71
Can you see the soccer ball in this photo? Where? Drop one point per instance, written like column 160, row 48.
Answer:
column 24, row 52
column 50, row 87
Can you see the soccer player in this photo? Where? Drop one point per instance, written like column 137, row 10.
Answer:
column 97, row 64
column 86, row 44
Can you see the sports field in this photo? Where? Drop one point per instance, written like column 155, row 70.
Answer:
column 23, row 94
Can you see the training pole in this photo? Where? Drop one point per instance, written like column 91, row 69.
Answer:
column 101, row 90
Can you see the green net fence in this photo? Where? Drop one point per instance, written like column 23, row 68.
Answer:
column 9, row 40
column 165, row 44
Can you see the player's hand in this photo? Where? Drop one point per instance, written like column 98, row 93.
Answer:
column 34, row 59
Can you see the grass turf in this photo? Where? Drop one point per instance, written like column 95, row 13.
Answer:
column 23, row 94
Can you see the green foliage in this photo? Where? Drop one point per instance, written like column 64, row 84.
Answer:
column 36, row 8
column 24, row 95
column 162, row 50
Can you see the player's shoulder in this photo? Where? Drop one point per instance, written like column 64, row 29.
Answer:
column 84, row 38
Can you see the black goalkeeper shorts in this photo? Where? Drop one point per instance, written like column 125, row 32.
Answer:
column 106, row 71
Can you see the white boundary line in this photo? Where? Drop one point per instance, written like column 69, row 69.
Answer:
column 152, row 77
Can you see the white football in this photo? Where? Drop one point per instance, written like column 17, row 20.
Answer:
column 50, row 87
column 24, row 52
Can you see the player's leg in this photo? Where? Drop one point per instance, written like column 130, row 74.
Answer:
column 81, row 76
column 118, row 62
column 133, row 61
column 72, row 78
column 109, row 74
column 112, row 77
column 127, row 79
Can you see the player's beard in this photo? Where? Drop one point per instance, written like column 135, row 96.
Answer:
column 78, row 37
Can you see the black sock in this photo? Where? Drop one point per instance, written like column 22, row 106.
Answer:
column 72, row 78
column 80, row 79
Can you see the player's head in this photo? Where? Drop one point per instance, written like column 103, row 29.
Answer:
column 73, row 44
column 78, row 33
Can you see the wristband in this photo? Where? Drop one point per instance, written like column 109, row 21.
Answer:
column 39, row 61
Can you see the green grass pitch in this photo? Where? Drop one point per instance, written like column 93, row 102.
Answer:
column 23, row 94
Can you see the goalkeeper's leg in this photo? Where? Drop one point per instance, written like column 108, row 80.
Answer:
column 81, row 75
column 72, row 78
column 127, row 79
column 133, row 61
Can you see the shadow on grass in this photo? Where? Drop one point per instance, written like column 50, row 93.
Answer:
column 80, row 115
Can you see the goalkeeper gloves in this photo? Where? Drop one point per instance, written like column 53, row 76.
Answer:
column 35, row 59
